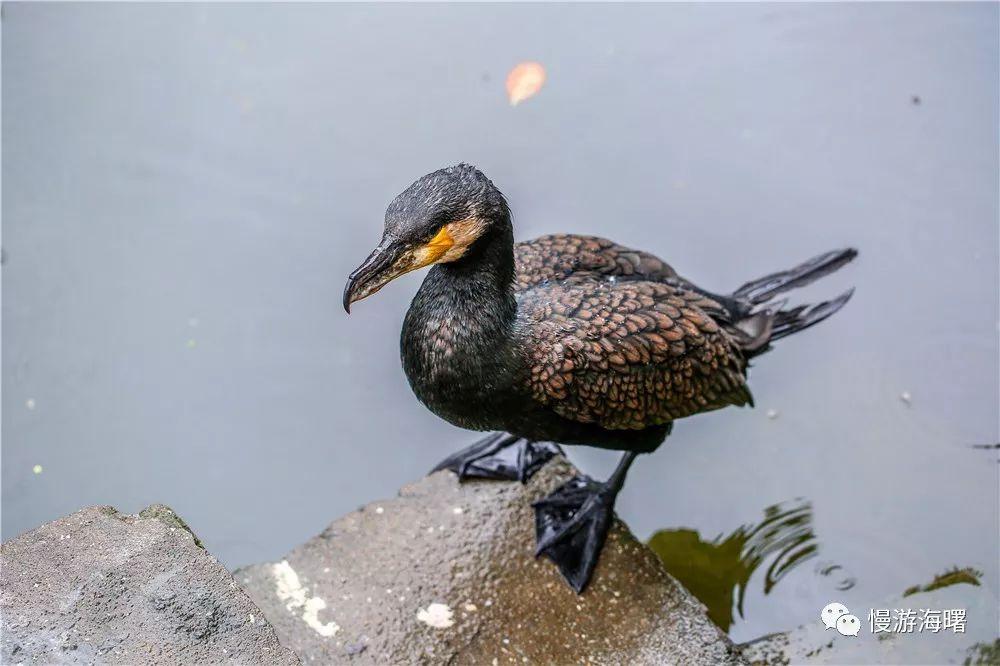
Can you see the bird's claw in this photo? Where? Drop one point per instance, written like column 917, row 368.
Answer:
column 571, row 526
column 500, row 456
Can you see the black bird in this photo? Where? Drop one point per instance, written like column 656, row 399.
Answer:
column 566, row 339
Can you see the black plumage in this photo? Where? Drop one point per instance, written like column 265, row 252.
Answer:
column 568, row 339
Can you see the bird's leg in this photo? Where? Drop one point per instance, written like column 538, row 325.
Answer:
column 500, row 456
column 572, row 523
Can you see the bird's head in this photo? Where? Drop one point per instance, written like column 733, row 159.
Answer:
column 438, row 219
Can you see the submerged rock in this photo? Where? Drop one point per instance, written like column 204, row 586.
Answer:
column 446, row 573
column 815, row 644
column 101, row 587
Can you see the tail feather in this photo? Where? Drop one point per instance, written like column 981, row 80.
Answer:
column 802, row 317
column 764, row 320
column 764, row 289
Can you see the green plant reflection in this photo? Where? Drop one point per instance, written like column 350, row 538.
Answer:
column 718, row 571
column 953, row 576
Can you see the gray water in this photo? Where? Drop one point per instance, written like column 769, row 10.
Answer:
column 187, row 187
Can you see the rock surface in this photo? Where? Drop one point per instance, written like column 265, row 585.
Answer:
column 445, row 573
column 101, row 587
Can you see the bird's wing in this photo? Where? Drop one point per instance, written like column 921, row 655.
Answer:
column 628, row 354
column 559, row 256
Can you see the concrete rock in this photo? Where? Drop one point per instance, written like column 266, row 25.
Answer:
column 101, row 587
column 445, row 573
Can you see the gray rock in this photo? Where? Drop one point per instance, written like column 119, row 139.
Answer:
column 445, row 573
column 101, row 587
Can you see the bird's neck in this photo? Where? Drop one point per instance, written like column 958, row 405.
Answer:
column 481, row 282
column 475, row 293
column 457, row 337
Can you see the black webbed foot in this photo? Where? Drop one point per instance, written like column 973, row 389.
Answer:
column 500, row 456
column 571, row 526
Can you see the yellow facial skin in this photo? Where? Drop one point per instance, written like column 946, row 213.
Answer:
column 448, row 244
column 436, row 248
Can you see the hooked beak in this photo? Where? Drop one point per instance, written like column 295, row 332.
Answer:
column 391, row 259
column 376, row 271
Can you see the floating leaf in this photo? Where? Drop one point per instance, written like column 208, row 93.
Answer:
column 524, row 81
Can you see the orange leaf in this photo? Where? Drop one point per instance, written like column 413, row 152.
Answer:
column 526, row 79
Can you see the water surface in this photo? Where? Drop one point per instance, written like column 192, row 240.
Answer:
column 187, row 187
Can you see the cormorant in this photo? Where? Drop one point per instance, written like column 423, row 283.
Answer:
column 566, row 339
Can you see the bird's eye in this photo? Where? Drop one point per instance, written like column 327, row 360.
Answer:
column 432, row 230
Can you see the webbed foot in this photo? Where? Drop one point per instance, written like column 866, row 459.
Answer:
column 500, row 456
column 571, row 526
